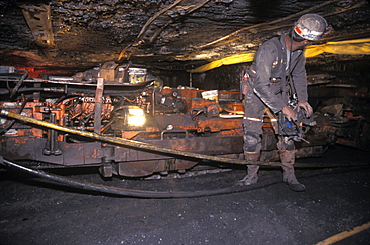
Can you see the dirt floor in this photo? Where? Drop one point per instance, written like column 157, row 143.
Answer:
column 338, row 199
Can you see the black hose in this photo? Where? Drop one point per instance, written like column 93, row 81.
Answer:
column 131, row 143
column 19, row 83
column 21, row 90
column 136, row 193
column 138, row 144
column 102, row 189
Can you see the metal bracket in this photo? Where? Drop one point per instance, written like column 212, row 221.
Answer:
column 38, row 18
column 175, row 132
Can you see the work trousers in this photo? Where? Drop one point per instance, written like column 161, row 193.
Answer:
column 254, row 110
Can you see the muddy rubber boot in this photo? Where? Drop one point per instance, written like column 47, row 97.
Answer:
column 252, row 176
column 287, row 161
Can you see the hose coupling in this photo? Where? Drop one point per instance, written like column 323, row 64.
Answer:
column 4, row 113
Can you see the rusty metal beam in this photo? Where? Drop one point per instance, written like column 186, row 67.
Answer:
column 38, row 18
column 98, row 104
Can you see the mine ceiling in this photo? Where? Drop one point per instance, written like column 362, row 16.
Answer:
column 168, row 34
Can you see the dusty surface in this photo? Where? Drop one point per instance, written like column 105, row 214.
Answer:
column 88, row 33
column 34, row 212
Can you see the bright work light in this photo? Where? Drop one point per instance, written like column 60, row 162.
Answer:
column 135, row 116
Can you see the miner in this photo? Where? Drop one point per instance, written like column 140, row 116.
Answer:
column 278, row 65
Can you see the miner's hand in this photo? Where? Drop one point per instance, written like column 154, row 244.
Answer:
column 289, row 113
column 306, row 106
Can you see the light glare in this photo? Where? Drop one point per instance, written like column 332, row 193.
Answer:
column 136, row 120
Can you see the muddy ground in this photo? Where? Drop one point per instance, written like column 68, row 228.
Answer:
column 336, row 200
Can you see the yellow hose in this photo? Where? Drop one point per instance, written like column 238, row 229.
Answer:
column 350, row 47
column 132, row 143
column 146, row 146
column 338, row 237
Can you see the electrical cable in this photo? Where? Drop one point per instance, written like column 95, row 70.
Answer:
column 132, row 143
column 138, row 145
column 136, row 193
column 21, row 90
column 117, row 191
column 141, row 145
column 19, row 83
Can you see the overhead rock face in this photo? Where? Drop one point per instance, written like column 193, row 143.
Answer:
column 182, row 34
column 171, row 38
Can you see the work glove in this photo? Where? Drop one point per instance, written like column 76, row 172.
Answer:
column 306, row 106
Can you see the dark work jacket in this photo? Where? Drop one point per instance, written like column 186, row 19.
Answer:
column 267, row 66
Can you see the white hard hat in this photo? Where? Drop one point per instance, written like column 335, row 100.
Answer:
column 310, row 27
